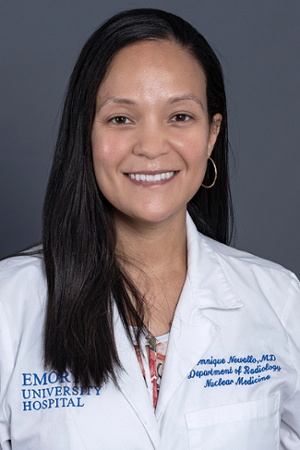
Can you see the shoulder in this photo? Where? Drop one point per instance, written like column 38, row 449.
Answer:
column 22, row 282
column 245, row 260
column 252, row 279
column 24, row 265
column 251, row 275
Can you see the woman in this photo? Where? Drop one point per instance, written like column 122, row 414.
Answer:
column 130, row 329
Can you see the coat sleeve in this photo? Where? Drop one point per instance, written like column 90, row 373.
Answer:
column 6, row 370
column 290, row 413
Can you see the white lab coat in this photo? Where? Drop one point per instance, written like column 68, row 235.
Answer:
column 231, row 376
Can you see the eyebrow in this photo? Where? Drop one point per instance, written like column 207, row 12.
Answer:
column 125, row 101
column 172, row 100
column 192, row 97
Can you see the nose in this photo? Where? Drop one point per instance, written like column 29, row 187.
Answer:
column 151, row 142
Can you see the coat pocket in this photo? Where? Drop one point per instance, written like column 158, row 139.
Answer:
column 250, row 425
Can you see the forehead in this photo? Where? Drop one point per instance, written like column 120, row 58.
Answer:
column 157, row 68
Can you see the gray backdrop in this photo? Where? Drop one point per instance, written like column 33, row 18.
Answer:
column 259, row 45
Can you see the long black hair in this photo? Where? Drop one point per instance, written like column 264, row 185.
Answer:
column 85, row 281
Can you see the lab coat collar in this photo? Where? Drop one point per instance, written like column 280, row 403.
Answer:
column 209, row 283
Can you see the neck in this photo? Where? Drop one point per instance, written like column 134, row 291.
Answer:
column 152, row 246
column 155, row 258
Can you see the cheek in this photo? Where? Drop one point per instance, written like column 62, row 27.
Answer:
column 195, row 153
column 108, row 153
column 108, row 149
column 101, row 162
column 103, row 156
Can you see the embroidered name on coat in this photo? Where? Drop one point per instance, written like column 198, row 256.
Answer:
column 235, row 370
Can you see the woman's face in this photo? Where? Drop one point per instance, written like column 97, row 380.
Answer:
column 151, row 135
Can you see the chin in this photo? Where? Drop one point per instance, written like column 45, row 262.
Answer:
column 156, row 217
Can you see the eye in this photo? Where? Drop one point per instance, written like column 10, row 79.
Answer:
column 120, row 120
column 180, row 118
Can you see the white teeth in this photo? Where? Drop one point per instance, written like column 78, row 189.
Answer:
column 151, row 178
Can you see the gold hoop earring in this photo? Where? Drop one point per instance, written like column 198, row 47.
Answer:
column 216, row 174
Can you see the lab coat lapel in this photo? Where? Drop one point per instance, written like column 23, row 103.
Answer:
column 192, row 333
column 132, row 384
column 191, row 336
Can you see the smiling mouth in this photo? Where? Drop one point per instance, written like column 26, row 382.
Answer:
column 151, row 178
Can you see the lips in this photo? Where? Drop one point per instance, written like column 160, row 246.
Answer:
column 151, row 178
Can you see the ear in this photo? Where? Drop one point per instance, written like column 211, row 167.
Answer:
column 213, row 132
